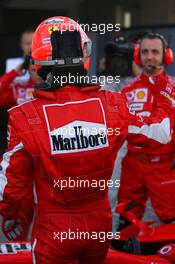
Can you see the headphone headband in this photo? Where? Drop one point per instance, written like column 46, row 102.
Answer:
column 152, row 35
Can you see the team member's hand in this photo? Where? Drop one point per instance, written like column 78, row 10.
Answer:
column 15, row 230
column 20, row 70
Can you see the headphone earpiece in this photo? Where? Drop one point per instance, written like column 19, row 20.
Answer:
column 168, row 57
column 136, row 55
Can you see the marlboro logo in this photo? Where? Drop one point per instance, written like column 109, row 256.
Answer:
column 76, row 126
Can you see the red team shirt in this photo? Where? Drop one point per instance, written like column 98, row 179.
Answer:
column 14, row 92
column 140, row 97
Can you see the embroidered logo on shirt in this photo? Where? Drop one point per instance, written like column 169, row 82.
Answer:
column 138, row 95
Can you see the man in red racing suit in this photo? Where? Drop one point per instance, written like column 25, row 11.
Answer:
column 14, row 91
column 70, row 137
column 148, row 172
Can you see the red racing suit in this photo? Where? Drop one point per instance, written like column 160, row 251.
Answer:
column 66, row 142
column 14, row 92
column 148, row 172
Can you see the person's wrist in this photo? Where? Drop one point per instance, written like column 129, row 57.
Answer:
column 17, row 72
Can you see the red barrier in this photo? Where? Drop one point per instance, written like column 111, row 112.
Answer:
column 115, row 257
column 20, row 253
column 15, row 253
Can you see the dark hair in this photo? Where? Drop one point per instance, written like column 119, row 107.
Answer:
column 26, row 31
column 152, row 35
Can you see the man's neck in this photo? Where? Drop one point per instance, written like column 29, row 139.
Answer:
column 153, row 72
